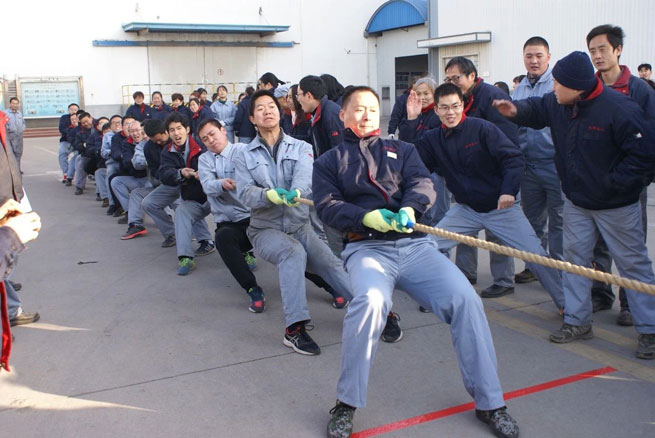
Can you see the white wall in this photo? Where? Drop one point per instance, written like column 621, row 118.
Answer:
column 54, row 38
column 564, row 24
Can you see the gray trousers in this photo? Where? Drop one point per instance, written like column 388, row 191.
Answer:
column 16, row 141
column 293, row 254
column 135, row 213
column 124, row 185
column 80, row 173
column 512, row 229
column 190, row 216
column 101, row 182
column 155, row 203
column 621, row 229
column 417, row 267
column 70, row 173
column 64, row 150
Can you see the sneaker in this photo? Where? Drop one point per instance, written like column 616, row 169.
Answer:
column 257, row 299
column 111, row 210
column 134, row 230
column 105, row 203
column 122, row 220
column 300, row 341
column 341, row 421
column 392, row 332
column 496, row 291
column 646, row 347
column 24, row 318
column 168, row 241
column 17, row 286
column 185, row 265
column 206, row 247
column 599, row 304
column 472, row 280
column 526, row 276
column 568, row 333
column 424, row 309
column 69, row 182
column 500, row 422
column 98, row 198
column 339, row 302
column 250, row 260
column 624, row 318
column 63, row 181
column 79, row 191
column 119, row 212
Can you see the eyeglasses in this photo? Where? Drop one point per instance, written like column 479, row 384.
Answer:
column 445, row 108
column 453, row 78
column 300, row 94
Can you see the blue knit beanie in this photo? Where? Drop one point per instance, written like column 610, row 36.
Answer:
column 575, row 71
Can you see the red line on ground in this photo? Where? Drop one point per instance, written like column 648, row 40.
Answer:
column 430, row 416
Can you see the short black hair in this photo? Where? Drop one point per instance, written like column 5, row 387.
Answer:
column 114, row 116
column 221, row 86
column 79, row 112
column 177, row 96
column 357, row 89
column 270, row 78
column 465, row 65
column 101, row 118
column 614, row 34
column 518, row 78
column 153, row 127
column 14, row 98
column 214, row 96
column 646, row 66
column 503, row 86
column 83, row 115
column 250, row 90
column 212, row 122
column 314, row 85
column 138, row 94
column 73, row 104
column 126, row 118
column 105, row 127
column 447, row 90
column 334, row 88
column 200, row 91
column 158, row 92
column 261, row 93
column 176, row 117
column 536, row 41
column 195, row 99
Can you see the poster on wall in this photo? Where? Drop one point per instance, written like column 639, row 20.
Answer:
column 48, row 97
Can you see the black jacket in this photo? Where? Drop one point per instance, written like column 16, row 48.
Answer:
column 172, row 160
column 326, row 127
column 242, row 125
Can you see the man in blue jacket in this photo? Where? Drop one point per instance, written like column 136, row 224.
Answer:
column 541, row 195
column 605, row 157
column 179, row 168
column 605, row 44
column 478, row 96
column 64, row 145
column 130, row 178
column 243, row 127
column 371, row 188
column 326, row 127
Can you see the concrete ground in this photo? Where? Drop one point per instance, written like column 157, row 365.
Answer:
column 127, row 348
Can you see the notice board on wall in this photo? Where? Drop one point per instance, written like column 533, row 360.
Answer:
column 48, row 97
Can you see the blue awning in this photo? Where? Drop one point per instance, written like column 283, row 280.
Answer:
column 262, row 29
column 396, row 14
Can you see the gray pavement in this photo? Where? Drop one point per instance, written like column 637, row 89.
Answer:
column 125, row 347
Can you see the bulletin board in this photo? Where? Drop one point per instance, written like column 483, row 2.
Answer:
column 48, row 97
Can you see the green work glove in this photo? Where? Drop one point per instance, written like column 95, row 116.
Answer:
column 379, row 220
column 275, row 196
column 289, row 196
column 400, row 220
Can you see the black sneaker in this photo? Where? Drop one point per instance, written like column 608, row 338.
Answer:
column 257, row 299
column 341, row 421
column 526, row 276
column 168, row 241
column 98, row 198
column 119, row 212
column 79, row 191
column 300, row 341
column 17, row 286
column 624, row 318
column 424, row 309
column 495, row 291
column 24, row 318
column 111, row 210
column 122, row 220
column 568, row 333
column 646, row 347
column 206, row 247
column 392, row 332
column 599, row 304
column 69, row 182
column 500, row 422
column 134, row 230
column 105, row 203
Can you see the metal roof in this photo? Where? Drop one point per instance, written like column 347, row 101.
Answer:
column 396, row 14
column 262, row 29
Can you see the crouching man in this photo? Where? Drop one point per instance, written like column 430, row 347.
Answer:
column 372, row 188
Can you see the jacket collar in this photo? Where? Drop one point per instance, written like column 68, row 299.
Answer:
column 447, row 130
column 622, row 82
column 318, row 110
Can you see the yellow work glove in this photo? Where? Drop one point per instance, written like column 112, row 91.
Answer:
column 379, row 220
column 289, row 196
column 400, row 220
column 275, row 196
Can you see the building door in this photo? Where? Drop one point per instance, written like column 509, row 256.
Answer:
column 408, row 67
